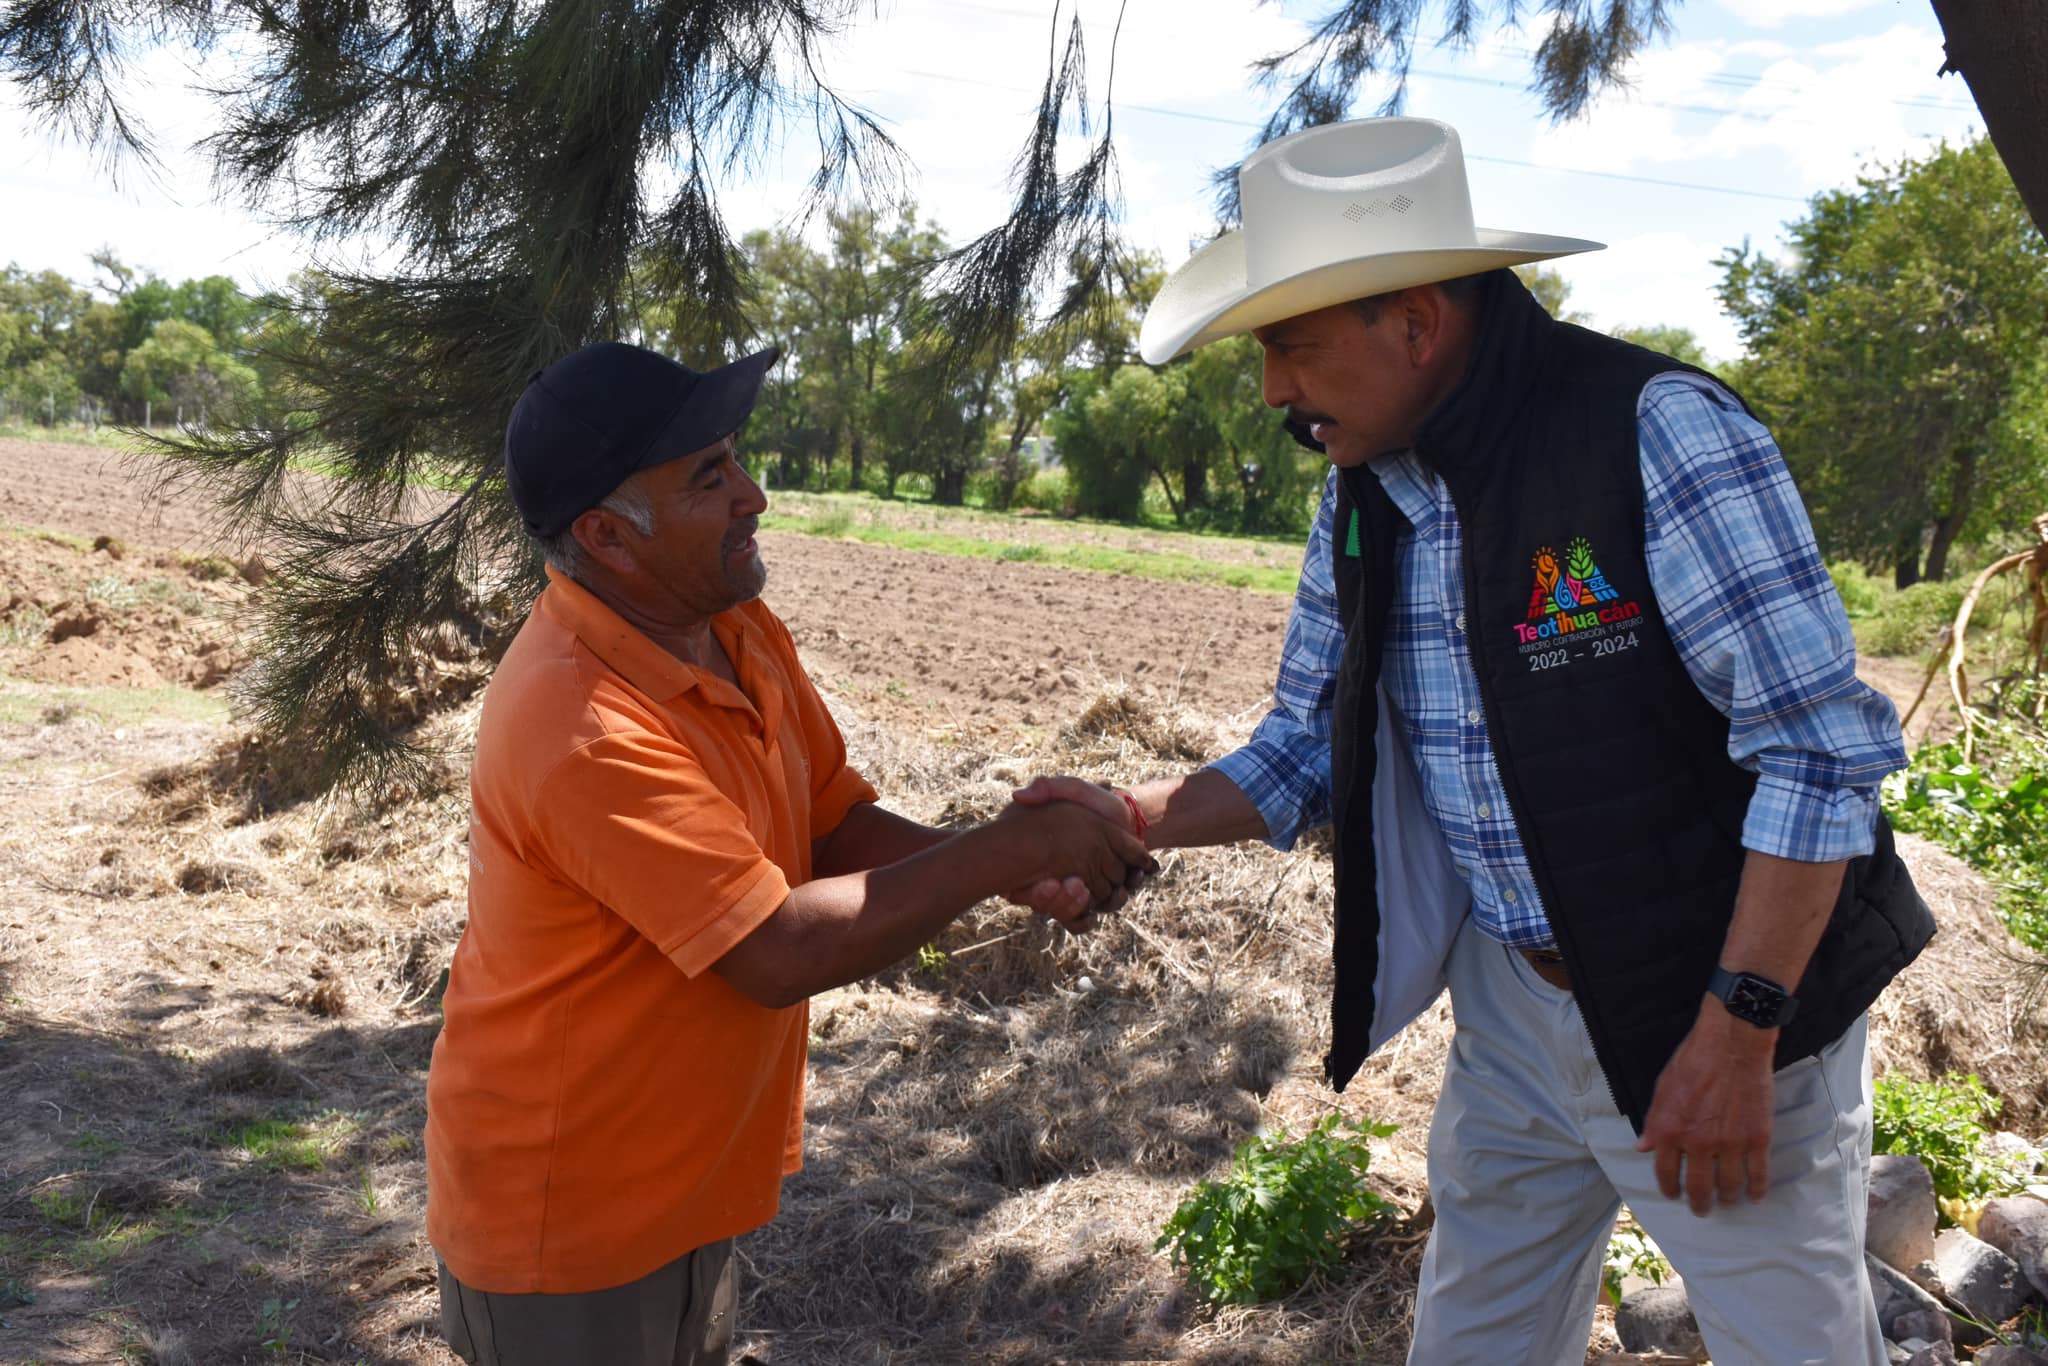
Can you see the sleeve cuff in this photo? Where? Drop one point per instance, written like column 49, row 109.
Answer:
column 1794, row 820
column 1250, row 772
column 759, row 899
column 845, row 790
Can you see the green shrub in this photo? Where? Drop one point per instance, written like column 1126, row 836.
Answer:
column 1907, row 623
column 1990, row 811
column 1862, row 596
column 1279, row 1216
column 1938, row 1122
column 1045, row 490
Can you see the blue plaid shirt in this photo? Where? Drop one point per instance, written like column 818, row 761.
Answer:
column 1749, row 606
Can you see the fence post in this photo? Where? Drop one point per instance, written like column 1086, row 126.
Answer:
column 145, row 415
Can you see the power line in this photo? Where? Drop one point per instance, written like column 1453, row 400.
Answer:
column 1122, row 107
column 1738, row 79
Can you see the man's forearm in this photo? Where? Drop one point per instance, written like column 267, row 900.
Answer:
column 1199, row 808
column 834, row 930
column 870, row 837
column 843, row 928
column 1781, row 909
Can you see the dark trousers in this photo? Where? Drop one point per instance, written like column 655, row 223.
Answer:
column 680, row 1315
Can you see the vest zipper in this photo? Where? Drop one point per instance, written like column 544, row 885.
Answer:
column 1546, row 893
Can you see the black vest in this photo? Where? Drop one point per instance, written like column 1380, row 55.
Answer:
column 1616, row 767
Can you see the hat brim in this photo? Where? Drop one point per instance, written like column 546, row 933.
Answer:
column 716, row 408
column 1208, row 298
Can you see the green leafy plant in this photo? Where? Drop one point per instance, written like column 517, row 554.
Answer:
column 110, row 590
column 1279, row 1216
column 1990, row 810
column 1631, row 1252
column 1939, row 1122
column 26, row 627
column 932, row 960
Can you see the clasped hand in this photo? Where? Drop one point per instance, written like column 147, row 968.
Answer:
column 1075, row 808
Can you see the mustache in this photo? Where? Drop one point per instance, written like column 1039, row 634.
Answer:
column 1305, row 417
column 742, row 531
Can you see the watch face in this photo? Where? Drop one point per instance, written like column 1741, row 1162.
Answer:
column 1754, row 1000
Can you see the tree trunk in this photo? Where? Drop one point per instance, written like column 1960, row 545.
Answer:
column 1167, row 485
column 1010, row 469
column 1961, row 499
column 2000, row 47
column 854, row 453
column 1194, row 482
column 1906, row 559
column 949, row 486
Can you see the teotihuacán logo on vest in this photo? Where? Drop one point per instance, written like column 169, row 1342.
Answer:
column 1573, row 611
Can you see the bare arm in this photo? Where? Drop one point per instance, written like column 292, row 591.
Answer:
column 1710, row 1121
column 839, row 929
column 1198, row 808
column 869, row 837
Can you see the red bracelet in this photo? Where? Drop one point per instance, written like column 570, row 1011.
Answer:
column 1137, row 816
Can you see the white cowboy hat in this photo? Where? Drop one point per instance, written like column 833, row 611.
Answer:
column 1339, row 212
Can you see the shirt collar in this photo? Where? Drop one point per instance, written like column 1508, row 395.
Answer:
column 630, row 653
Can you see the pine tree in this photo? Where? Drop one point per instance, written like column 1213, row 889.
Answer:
column 538, row 172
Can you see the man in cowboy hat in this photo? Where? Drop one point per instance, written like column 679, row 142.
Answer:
column 668, row 855
column 1569, row 678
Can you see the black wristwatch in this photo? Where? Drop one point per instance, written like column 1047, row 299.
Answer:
column 1756, row 999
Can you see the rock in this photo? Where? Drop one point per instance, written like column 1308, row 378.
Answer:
column 1894, row 1296
column 1978, row 1276
column 112, row 548
column 2010, row 1146
column 1895, row 1355
column 1902, row 1211
column 1935, row 1354
column 1925, row 1325
column 1659, row 1319
column 2018, row 1226
column 2009, row 1356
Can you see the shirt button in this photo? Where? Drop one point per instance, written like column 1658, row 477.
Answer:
column 1485, row 812
column 1509, row 896
column 1461, row 621
column 1473, row 716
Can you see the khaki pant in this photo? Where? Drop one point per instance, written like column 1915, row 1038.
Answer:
column 1529, row 1160
column 681, row 1315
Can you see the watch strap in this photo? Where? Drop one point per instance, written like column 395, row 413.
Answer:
column 1758, row 1000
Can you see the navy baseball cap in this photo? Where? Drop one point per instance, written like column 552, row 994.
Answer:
column 597, row 415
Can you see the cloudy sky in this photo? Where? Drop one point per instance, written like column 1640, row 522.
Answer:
column 1751, row 107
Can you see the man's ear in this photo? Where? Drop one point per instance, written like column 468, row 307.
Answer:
column 601, row 534
column 1425, row 316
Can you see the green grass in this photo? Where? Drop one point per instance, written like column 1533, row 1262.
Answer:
column 95, row 1146
column 82, row 544
column 1172, row 566
column 105, row 436
column 22, row 703
column 291, row 1145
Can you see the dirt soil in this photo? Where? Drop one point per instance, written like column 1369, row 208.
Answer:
column 217, row 1000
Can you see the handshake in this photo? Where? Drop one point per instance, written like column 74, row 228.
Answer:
column 1092, row 842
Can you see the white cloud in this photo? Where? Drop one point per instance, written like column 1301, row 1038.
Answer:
column 1828, row 112
column 1778, row 13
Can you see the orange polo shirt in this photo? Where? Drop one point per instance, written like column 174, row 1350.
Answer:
column 599, row 1103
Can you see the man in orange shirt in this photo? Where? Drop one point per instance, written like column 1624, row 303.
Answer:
column 668, row 856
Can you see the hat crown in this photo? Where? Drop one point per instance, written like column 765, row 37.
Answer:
column 1344, row 189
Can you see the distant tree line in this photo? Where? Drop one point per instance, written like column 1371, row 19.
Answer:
column 132, row 347
column 1899, row 353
